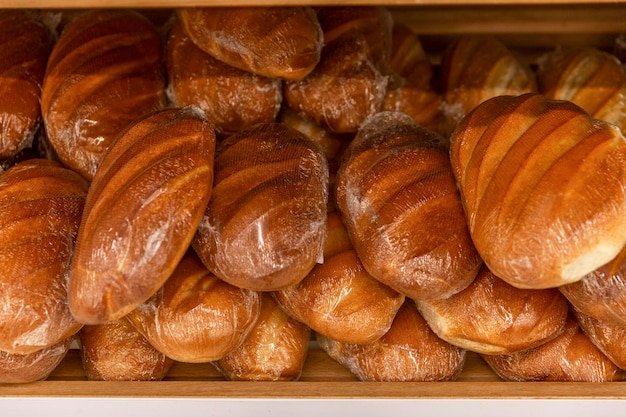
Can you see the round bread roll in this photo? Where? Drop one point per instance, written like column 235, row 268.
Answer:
column 493, row 317
column 397, row 197
column 276, row 42
column 593, row 79
column 601, row 294
column 409, row 351
column 274, row 350
column 264, row 227
column 104, row 71
column 25, row 44
column 569, row 357
column 196, row 317
column 338, row 298
column 141, row 212
column 350, row 81
column 544, row 188
column 116, row 351
column 41, row 204
column 35, row 366
column 609, row 338
column 233, row 99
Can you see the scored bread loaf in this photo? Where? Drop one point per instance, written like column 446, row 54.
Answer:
column 276, row 42
column 397, row 197
column 544, row 188
column 264, row 226
column 104, row 71
column 141, row 212
column 195, row 316
column 35, row 366
column 41, row 204
column 25, row 44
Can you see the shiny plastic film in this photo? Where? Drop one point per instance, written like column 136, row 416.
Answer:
column 34, row 366
column 608, row 337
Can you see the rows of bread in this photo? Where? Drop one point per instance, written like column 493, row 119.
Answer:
column 222, row 185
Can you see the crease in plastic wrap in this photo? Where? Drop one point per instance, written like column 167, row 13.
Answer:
column 409, row 351
column 264, row 227
column 196, row 317
column 41, row 204
column 543, row 185
column 397, row 197
column 34, row 366
column 141, row 212
column 608, row 337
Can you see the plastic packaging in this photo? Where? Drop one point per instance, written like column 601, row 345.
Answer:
column 32, row 367
column 610, row 338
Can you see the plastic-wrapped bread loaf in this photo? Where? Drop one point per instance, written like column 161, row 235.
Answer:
column 274, row 350
column 544, row 188
column 409, row 351
column 35, row 366
column 609, row 338
column 141, row 212
column 233, row 99
column 116, row 351
column 264, row 227
column 195, row 316
column 397, row 197
column 104, row 71
column 276, row 42
column 41, row 204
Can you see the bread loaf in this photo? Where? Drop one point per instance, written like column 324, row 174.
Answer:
column 25, row 44
column 493, row 317
column 409, row 351
column 141, row 212
column 569, row 357
column 609, row 338
column 41, row 204
column 35, row 366
column 233, row 99
column 264, row 226
column 277, row 42
column 544, row 188
column 104, row 71
column 196, row 317
column 116, row 351
column 350, row 81
column 397, row 197
column 338, row 298
column 274, row 350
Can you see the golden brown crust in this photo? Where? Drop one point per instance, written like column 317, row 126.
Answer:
column 104, row 72
column 397, row 197
column 544, row 188
column 278, row 42
column 274, row 350
column 233, row 99
column 141, row 213
column 195, row 316
column 31, row 367
column 40, row 211
column 493, row 317
column 610, row 338
column 264, row 227
column 116, row 351
column 409, row 351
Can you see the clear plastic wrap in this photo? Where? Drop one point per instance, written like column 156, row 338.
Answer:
column 32, row 367
column 610, row 338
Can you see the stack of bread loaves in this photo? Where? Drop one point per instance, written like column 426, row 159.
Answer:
column 234, row 185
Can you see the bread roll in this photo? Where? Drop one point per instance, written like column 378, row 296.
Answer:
column 274, row 350
column 569, row 357
column 116, row 351
column 196, row 317
column 41, row 204
column 397, row 197
column 277, row 42
column 141, row 212
column 593, row 79
column 35, row 366
column 338, row 298
column 544, row 188
column 104, row 71
column 409, row 351
column 493, row 317
column 25, row 44
column 601, row 294
column 609, row 338
column 264, row 227
column 350, row 81
column 233, row 99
